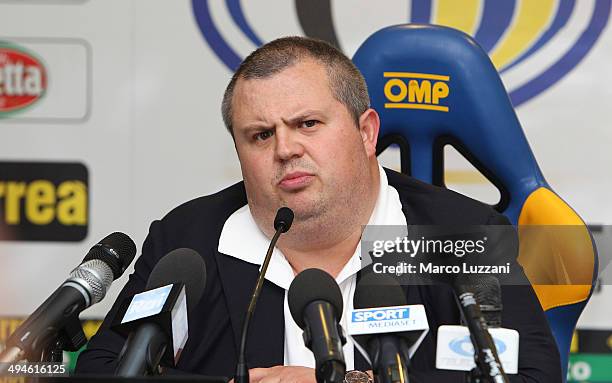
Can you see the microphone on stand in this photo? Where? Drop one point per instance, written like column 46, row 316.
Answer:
column 156, row 321
column 454, row 350
column 282, row 223
column 315, row 302
column 487, row 358
column 57, row 318
column 395, row 329
column 488, row 295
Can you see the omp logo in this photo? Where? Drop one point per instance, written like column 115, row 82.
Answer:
column 23, row 78
column 381, row 314
column 533, row 43
column 416, row 91
column 44, row 201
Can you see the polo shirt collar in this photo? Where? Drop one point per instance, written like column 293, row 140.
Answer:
column 241, row 237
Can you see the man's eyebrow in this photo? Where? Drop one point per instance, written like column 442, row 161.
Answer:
column 306, row 114
column 256, row 126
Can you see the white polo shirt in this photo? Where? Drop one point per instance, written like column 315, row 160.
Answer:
column 241, row 238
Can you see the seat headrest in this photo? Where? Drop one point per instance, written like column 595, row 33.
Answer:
column 431, row 83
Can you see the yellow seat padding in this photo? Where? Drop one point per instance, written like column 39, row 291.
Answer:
column 556, row 250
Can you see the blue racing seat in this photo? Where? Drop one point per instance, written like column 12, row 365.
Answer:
column 434, row 86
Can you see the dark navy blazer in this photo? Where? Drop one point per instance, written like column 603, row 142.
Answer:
column 216, row 322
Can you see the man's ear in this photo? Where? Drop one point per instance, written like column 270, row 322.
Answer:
column 369, row 125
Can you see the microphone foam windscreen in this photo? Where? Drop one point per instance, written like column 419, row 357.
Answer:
column 378, row 290
column 284, row 216
column 487, row 291
column 313, row 285
column 181, row 265
column 117, row 250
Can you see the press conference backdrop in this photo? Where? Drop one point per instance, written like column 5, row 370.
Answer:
column 109, row 111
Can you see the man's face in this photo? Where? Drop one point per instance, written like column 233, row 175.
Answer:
column 298, row 146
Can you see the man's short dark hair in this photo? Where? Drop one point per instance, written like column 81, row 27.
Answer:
column 346, row 82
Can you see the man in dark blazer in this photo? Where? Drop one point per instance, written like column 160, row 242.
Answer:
column 298, row 112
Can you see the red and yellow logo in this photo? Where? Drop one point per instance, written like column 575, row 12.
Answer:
column 23, row 78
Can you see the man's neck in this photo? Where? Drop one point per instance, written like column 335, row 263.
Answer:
column 331, row 259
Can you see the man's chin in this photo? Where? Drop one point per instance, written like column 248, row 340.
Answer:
column 305, row 213
column 306, row 205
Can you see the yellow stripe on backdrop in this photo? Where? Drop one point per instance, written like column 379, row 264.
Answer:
column 9, row 325
column 463, row 15
column 529, row 22
column 9, row 379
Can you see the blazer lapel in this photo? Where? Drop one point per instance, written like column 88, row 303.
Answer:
column 265, row 341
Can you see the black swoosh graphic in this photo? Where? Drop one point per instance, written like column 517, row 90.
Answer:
column 315, row 17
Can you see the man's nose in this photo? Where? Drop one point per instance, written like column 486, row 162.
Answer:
column 288, row 144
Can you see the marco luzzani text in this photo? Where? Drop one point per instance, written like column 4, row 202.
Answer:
column 455, row 251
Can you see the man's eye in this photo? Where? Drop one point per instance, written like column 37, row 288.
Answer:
column 261, row 136
column 309, row 123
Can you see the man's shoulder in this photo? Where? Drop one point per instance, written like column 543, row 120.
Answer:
column 428, row 204
column 208, row 211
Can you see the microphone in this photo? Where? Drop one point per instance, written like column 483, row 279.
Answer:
column 283, row 219
column 487, row 358
column 57, row 318
column 315, row 302
column 386, row 327
column 155, row 321
column 454, row 350
column 487, row 290
column 282, row 223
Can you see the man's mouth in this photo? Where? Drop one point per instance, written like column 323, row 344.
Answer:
column 295, row 180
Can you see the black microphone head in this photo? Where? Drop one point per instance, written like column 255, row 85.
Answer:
column 283, row 219
column 313, row 285
column 487, row 291
column 181, row 266
column 378, row 290
column 117, row 250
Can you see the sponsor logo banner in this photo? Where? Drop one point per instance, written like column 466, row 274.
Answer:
column 23, row 78
column 43, row 201
column 9, row 324
column 589, row 367
column 593, row 341
column 44, row 80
